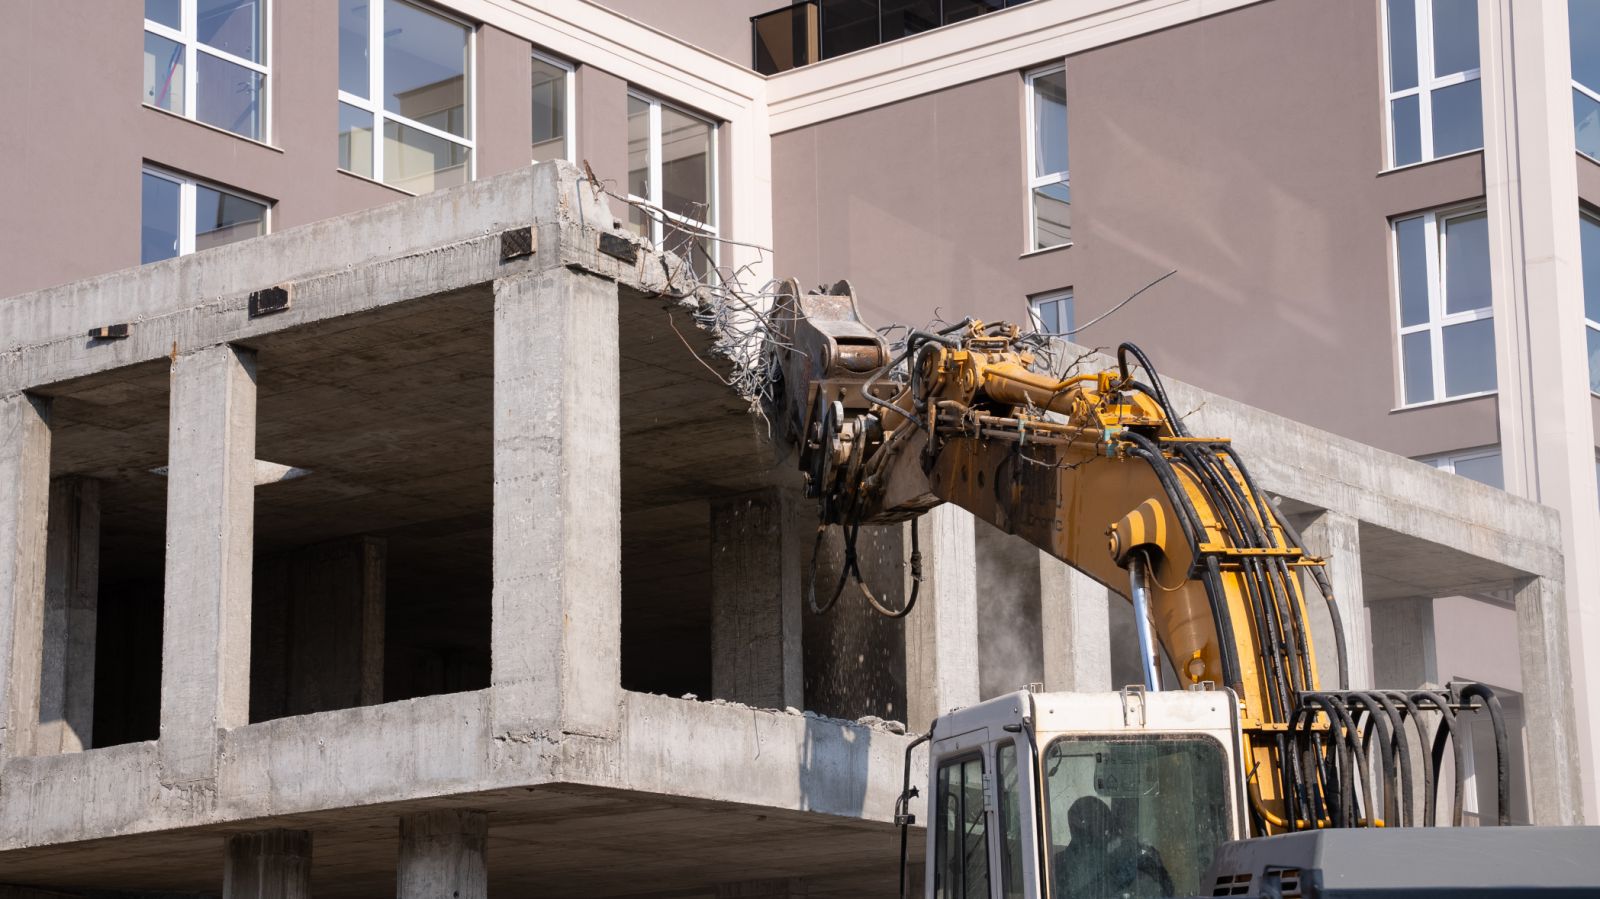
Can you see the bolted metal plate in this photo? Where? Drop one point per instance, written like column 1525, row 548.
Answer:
column 618, row 247
column 269, row 301
column 516, row 243
column 111, row 332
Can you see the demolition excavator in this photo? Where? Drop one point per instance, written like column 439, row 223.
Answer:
column 1236, row 768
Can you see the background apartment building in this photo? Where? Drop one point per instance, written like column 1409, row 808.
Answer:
column 1382, row 216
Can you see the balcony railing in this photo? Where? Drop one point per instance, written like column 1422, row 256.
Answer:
column 804, row 32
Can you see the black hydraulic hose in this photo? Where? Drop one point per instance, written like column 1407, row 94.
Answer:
column 903, row 815
column 1124, row 350
column 1425, row 757
column 1491, row 703
column 1447, row 732
column 1222, row 619
column 1325, row 587
column 1380, row 722
column 1403, row 752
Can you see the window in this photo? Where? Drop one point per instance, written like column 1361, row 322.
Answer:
column 207, row 60
column 1481, row 465
column 1134, row 816
column 1052, row 312
column 1589, row 236
column 1435, row 101
column 1011, row 837
column 961, row 847
column 180, row 215
column 1446, row 324
column 1050, row 193
column 553, row 108
column 672, row 167
column 403, row 75
column 1583, row 28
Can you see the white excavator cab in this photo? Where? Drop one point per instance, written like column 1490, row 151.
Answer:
column 1069, row 795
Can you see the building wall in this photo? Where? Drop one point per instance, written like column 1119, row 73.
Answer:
column 1257, row 178
column 716, row 26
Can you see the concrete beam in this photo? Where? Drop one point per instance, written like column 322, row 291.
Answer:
column 24, row 510
column 781, row 888
column 72, row 601
column 942, row 633
column 757, row 542
column 556, row 641
column 1555, row 772
column 268, row 864
column 1336, row 538
column 205, row 648
column 1075, row 626
column 1403, row 655
column 443, row 855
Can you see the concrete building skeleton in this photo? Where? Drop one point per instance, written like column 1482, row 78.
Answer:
column 445, row 654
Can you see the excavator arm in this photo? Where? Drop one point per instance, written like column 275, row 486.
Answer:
column 1095, row 469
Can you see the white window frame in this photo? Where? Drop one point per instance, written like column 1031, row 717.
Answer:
column 1449, row 461
column 1038, row 181
column 658, row 234
column 1426, row 84
column 187, row 36
column 1589, row 324
column 187, row 194
column 1438, row 320
column 1053, row 296
column 571, row 123
column 375, row 87
column 1593, row 93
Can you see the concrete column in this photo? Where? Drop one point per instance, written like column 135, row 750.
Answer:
column 1535, row 255
column 443, row 855
column 1010, row 651
column 855, row 659
column 1336, row 537
column 1555, row 783
column 780, row 888
column 268, row 864
column 942, row 632
column 1403, row 656
column 205, row 644
column 1076, row 626
column 757, row 541
column 71, row 603
column 24, row 510
column 557, row 599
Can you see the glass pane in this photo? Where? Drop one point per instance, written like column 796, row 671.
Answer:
column 1402, row 44
column 419, row 162
column 1455, row 36
column 163, row 73
column 1416, row 361
column 353, row 30
column 639, row 222
column 221, row 218
column 1457, row 119
column 549, row 111
column 1050, row 123
column 1052, row 215
column 902, row 18
column 1586, row 122
column 959, row 10
column 1139, row 817
column 1045, row 312
column 686, row 166
column 1410, row 238
column 355, row 140
column 167, row 12
column 1583, row 30
column 233, row 26
column 424, row 67
column 961, row 869
column 1466, row 263
column 1483, row 469
column 847, row 26
column 228, row 95
column 158, row 219
column 1406, row 127
column 1594, row 358
column 1010, row 822
column 638, row 147
column 1589, row 238
column 1469, row 358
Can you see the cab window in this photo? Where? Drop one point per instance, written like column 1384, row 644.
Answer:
column 961, row 853
column 1010, row 821
column 1136, row 817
